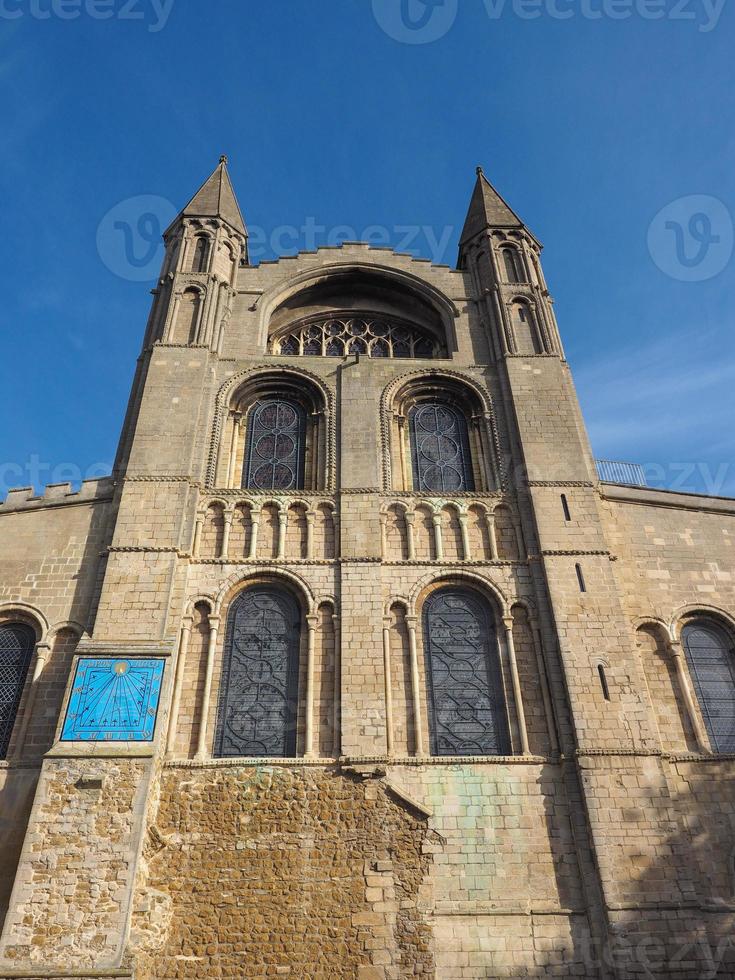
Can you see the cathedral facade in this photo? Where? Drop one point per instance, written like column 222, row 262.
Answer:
column 354, row 667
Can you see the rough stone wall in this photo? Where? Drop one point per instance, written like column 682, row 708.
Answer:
column 267, row 871
column 73, row 887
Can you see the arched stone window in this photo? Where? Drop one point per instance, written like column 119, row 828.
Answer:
column 440, row 437
column 16, row 649
column 710, row 654
column 258, row 697
column 275, row 445
column 199, row 261
column 467, row 711
column 513, row 265
column 275, row 433
column 440, row 448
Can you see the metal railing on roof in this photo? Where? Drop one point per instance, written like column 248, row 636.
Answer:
column 613, row 471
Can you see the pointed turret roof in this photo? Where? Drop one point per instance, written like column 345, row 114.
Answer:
column 487, row 210
column 216, row 199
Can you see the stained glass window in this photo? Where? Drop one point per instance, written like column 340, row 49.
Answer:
column 467, row 714
column 440, row 448
column 376, row 337
column 711, row 658
column 16, row 649
column 274, row 458
column 259, row 691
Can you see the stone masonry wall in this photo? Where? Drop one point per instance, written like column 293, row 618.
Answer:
column 267, row 871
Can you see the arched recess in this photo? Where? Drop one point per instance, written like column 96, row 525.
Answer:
column 536, row 712
column 396, row 532
column 186, row 317
column 368, row 289
column 525, row 327
column 238, row 425
column 193, row 673
column 213, row 530
column 465, row 441
column 666, row 696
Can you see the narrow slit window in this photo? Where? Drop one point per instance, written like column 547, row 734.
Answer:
column 580, row 578
column 603, row 682
column 565, row 507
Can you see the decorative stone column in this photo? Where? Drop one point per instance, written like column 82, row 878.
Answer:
column 682, row 675
column 464, row 531
column 311, row 625
column 255, row 513
column 225, row 549
column 214, row 622
column 516, row 681
column 418, row 722
column 389, row 739
column 179, row 682
column 282, row 524
column 41, row 655
column 436, row 520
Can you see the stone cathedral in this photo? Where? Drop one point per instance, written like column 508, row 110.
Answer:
column 355, row 667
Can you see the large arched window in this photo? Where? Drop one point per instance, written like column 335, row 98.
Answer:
column 260, row 676
column 711, row 658
column 467, row 713
column 274, row 455
column 440, row 448
column 16, row 648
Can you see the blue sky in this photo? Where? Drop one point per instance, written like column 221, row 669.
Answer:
column 594, row 118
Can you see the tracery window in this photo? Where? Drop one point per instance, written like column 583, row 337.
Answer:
column 710, row 654
column 274, row 457
column 260, row 676
column 440, row 448
column 16, row 649
column 343, row 335
column 467, row 713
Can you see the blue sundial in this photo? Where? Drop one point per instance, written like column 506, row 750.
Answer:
column 113, row 700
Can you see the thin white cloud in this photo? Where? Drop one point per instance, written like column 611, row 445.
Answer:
column 665, row 401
